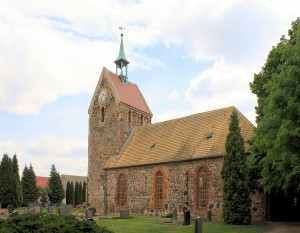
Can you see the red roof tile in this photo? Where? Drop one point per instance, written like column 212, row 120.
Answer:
column 42, row 181
column 129, row 93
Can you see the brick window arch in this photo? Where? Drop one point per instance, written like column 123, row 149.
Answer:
column 159, row 190
column 202, row 187
column 121, row 190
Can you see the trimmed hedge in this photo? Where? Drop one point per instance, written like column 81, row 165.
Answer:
column 49, row 223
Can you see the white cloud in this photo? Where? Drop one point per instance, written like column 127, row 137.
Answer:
column 221, row 86
column 8, row 147
column 172, row 114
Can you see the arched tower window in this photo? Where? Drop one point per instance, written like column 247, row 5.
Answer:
column 142, row 119
column 129, row 116
column 158, row 189
column 121, row 190
column 102, row 114
column 202, row 187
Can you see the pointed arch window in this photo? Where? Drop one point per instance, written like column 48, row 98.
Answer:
column 142, row 119
column 129, row 116
column 102, row 114
column 121, row 190
column 158, row 190
column 202, row 187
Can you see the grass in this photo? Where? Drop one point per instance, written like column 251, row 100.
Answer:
column 149, row 225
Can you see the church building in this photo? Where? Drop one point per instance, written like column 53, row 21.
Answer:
column 152, row 169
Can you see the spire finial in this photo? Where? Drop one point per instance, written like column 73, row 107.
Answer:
column 121, row 61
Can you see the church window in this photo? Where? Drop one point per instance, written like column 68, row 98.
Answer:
column 142, row 119
column 121, row 190
column 158, row 189
column 102, row 114
column 202, row 187
column 129, row 116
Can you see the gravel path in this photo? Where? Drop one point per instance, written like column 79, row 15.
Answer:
column 285, row 227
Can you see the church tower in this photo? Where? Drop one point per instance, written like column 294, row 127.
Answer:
column 116, row 109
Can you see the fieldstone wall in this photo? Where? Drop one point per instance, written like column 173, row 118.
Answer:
column 107, row 138
column 179, row 189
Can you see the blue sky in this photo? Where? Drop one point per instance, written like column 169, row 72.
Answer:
column 186, row 57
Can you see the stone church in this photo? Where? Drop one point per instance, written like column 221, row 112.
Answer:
column 150, row 168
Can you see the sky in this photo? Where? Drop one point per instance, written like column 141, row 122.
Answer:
column 186, row 57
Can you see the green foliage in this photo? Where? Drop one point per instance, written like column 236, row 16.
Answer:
column 78, row 193
column 46, row 223
column 29, row 187
column 68, row 193
column 56, row 193
column 43, row 194
column 18, row 190
column 275, row 149
column 72, row 194
column 84, row 191
column 8, row 183
column 236, row 194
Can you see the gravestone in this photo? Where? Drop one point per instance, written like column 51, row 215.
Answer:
column 89, row 214
column 175, row 215
column 32, row 211
column 50, row 209
column 93, row 209
column 84, row 204
column 46, row 205
column 62, row 205
column 187, row 218
column 198, row 225
column 10, row 208
column 124, row 214
column 63, row 211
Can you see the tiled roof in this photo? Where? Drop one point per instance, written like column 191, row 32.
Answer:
column 129, row 93
column 181, row 139
column 42, row 181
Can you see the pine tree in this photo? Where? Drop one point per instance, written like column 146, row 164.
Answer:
column 8, row 184
column 68, row 193
column 29, row 187
column 76, row 193
column 72, row 194
column 56, row 188
column 80, row 197
column 18, row 190
column 236, row 192
column 84, row 191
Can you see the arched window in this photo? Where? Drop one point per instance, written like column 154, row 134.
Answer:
column 102, row 114
column 129, row 116
column 121, row 190
column 142, row 119
column 158, row 189
column 202, row 187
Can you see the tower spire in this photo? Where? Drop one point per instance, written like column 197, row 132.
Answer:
column 122, row 62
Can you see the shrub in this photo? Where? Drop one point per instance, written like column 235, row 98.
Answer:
column 169, row 214
column 48, row 223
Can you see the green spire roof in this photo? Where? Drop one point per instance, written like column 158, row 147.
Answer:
column 121, row 57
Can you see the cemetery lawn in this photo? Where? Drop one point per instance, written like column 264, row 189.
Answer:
column 147, row 224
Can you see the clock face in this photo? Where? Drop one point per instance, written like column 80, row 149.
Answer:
column 102, row 96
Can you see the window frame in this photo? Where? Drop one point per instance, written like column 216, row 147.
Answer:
column 159, row 189
column 202, row 190
column 121, row 197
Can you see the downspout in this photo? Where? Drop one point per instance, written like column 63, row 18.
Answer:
column 105, row 191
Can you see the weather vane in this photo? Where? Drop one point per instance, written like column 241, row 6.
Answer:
column 122, row 29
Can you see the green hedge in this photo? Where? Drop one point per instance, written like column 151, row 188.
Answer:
column 49, row 223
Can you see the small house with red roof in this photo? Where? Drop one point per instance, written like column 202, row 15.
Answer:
column 42, row 181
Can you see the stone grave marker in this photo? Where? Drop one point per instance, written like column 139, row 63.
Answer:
column 84, row 204
column 89, row 214
column 187, row 218
column 63, row 211
column 198, row 225
column 124, row 214
column 50, row 209
column 37, row 209
column 93, row 209
column 69, row 207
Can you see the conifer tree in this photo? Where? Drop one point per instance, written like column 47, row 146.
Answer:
column 18, row 190
column 80, row 194
column 77, row 193
column 8, row 184
column 29, row 186
column 68, row 193
column 236, row 192
column 84, row 191
column 72, row 194
column 56, row 188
